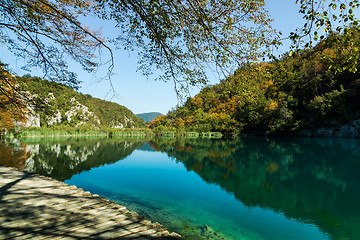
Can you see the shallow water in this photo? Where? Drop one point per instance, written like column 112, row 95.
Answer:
column 247, row 188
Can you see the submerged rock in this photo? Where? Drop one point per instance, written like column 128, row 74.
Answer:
column 351, row 130
column 209, row 233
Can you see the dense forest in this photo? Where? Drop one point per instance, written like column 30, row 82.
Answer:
column 108, row 113
column 305, row 89
column 50, row 104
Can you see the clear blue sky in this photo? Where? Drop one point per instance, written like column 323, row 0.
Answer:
column 139, row 93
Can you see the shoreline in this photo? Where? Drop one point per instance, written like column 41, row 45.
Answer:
column 34, row 206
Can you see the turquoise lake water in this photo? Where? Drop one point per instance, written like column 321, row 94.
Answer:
column 245, row 188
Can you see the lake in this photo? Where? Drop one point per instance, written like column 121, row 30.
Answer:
column 244, row 188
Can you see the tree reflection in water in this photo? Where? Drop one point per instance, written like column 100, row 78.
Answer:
column 62, row 158
column 313, row 180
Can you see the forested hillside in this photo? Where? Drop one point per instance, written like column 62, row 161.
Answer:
column 305, row 90
column 48, row 103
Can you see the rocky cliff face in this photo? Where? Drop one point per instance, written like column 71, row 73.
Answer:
column 78, row 114
column 52, row 104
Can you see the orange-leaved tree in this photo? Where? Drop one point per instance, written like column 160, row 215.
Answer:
column 176, row 39
column 12, row 108
column 46, row 32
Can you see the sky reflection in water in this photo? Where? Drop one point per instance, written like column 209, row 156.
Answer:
column 247, row 188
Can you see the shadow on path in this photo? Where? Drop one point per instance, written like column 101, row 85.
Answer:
column 33, row 207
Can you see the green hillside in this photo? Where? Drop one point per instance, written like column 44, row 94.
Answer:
column 52, row 104
column 303, row 91
column 148, row 117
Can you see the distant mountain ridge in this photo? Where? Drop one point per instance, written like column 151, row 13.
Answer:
column 149, row 116
column 54, row 104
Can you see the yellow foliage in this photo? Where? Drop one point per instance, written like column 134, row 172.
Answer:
column 189, row 119
column 228, row 107
column 179, row 122
column 271, row 106
column 11, row 107
column 218, row 116
column 12, row 158
column 267, row 84
column 197, row 101
column 160, row 120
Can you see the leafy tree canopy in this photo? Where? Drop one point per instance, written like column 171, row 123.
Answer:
column 45, row 32
column 324, row 17
column 301, row 91
column 179, row 37
column 11, row 105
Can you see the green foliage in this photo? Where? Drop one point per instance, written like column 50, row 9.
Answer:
column 180, row 38
column 58, row 157
column 62, row 131
column 323, row 17
column 51, row 98
column 303, row 90
column 46, row 32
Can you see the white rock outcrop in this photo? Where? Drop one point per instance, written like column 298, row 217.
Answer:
column 82, row 112
column 72, row 111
